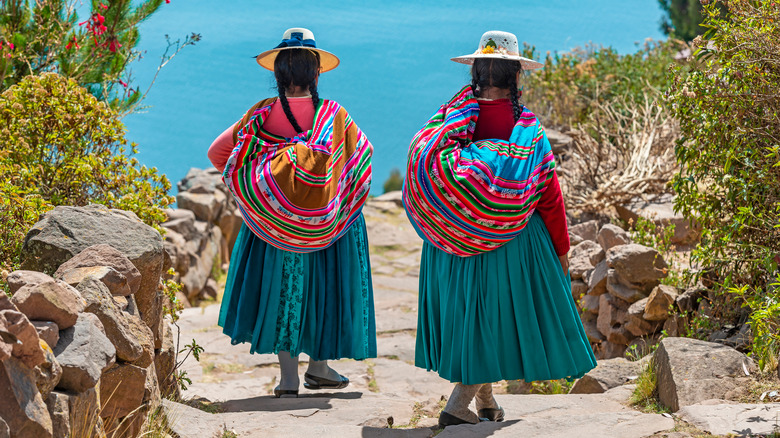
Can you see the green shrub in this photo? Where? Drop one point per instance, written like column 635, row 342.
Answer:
column 61, row 146
column 682, row 18
column 394, row 182
column 728, row 107
column 565, row 92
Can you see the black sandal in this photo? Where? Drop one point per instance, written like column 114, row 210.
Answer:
column 447, row 419
column 323, row 383
column 492, row 414
column 278, row 393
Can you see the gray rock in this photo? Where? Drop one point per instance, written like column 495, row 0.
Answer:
column 688, row 301
column 17, row 279
column 575, row 240
column 6, row 304
column 230, row 224
column 661, row 212
column 84, row 409
column 48, row 331
column 612, row 235
column 5, row 432
column 115, row 281
column 57, row 404
column 84, row 352
column 728, row 419
column 64, row 232
column 206, row 206
column 559, row 142
column 586, row 230
column 690, row 371
column 659, row 301
column 183, row 223
column 122, row 389
column 617, row 289
column 578, row 289
column 209, row 179
column 637, row 324
column 597, row 281
column 164, row 364
column 607, row 374
column 637, row 263
column 611, row 350
column 50, row 301
column 612, row 319
column 105, row 255
column 201, row 265
column 211, row 289
column 592, row 332
column 584, row 257
column 590, row 303
column 23, row 409
column 115, row 322
column 676, row 325
column 394, row 196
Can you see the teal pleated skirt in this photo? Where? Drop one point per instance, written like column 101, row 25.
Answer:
column 319, row 303
column 507, row 314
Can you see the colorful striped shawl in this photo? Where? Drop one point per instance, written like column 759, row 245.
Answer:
column 300, row 194
column 468, row 198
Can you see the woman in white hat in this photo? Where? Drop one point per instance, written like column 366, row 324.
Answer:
column 299, row 169
column 495, row 296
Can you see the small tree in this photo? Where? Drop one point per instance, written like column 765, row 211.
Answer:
column 394, row 182
column 683, row 18
column 729, row 112
column 39, row 36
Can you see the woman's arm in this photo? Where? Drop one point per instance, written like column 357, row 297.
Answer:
column 220, row 149
column 553, row 213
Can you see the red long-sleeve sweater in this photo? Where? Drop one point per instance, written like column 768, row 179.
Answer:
column 496, row 120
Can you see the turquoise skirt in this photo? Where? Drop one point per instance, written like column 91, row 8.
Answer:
column 319, row 303
column 507, row 314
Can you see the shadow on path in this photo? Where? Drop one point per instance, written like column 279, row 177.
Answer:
column 269, row 403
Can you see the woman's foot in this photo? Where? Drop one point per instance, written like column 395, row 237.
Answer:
column 289, row 380
column 487, row 406
column 321, row 376
column 457, row 410
column 447, row 419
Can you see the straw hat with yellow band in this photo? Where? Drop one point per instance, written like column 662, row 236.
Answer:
column 298, row 38
column 499, row 45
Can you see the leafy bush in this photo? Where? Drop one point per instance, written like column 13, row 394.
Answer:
column 728, row 107
column 61, row 146
column 46, row 36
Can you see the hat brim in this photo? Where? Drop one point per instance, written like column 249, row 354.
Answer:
column 328, row 61
column 528, row 64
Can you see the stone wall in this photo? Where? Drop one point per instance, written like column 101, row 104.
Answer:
column 84, row 348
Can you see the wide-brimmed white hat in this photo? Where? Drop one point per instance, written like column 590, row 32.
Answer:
column 498, row 44
column 298, row 38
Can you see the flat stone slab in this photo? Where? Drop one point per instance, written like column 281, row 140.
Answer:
column 586, row 415
column 399, row 346
column 742, row 419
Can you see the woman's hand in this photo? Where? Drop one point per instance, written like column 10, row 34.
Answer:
column 564, row 259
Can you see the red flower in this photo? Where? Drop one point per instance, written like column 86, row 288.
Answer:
column 103, row 6
column 167, row 1
column 11, row 46
column 124, row 84
column 73, row 43
column 114, row 45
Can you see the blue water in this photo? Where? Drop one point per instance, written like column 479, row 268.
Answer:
column 394, row 73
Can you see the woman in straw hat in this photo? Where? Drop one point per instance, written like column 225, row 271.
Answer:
column 495, row 296
column 299, row 169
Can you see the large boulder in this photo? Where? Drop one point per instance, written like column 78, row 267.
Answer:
column 689, row 371
column 57, row 404
column 230, row 223
column 64, row 232
column 47, row 331
column 597, row 280
column 103, row 255
column 612, row 319
column 84, row 352
column 125, row 336
column 50, row 301
column 622, row 289
column 201, row 263
column 608, row 374
column 165, row 363
column 115, row 281
column 22, row 406
column 637, row 324
column 122, row 389
column 181, row 221
column 28, row 346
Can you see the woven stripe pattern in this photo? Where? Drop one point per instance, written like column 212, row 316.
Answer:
column 300, row 194
column 465, row 197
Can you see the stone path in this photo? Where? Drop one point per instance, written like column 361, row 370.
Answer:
column 388, row 396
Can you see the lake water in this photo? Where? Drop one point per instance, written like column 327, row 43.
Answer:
column 395, row 69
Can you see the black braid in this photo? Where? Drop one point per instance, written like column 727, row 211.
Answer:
column 296, row 67
column 516, row 108
column 474, row 85
column 287, row 110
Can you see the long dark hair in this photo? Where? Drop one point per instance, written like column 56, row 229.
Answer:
column 499, row 73
column 296, row 67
